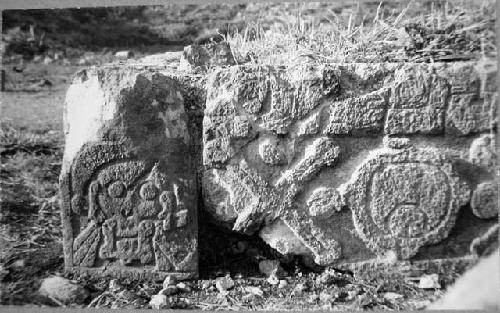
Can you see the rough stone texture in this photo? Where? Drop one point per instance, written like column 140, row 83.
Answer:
column 201, row 58
column 63, row 290
column 128, row 184
column 404, row 199
column 353, row 162
column 484, row 200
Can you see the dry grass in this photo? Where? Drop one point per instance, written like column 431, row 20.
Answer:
column 411, row 31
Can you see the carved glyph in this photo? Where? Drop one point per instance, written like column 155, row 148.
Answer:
column 349, row 161
column 130, row 213
column 128, row 184
column 404, row 199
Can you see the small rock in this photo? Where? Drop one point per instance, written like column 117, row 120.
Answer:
column 248, row 298
column 63, row 290
column 127, row 295
column 114, row 285
column 299, row 289
column 238, row 276
column 392, row 296
column 270, row 267
column 273, row 280
column 351, row 294
column 325, row 297
column 47, row 60
column 313, row 298
column 419, row 304
column 169, row 281
column 183, row 287
column 169, row 290
column 81, row 61
column 224, row 283
column 205, row 284
column 366, row 300
column 282, row 284
column 159, row 302
column 255, row 290
column 123, row 55
column 58, row 56
column 429, row 282
column 329, row 277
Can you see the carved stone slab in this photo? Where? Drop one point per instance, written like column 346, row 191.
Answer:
column 128, row 182
column 354, row 162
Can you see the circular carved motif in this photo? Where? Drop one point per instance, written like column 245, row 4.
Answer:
column 116, row 189
column 148, row 191
column 484, row 200
column 402, row 200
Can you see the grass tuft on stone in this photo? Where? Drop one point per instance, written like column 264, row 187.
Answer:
column 369, row 32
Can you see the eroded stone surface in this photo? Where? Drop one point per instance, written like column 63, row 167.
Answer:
column 484, row 200
column 201, row 58
column 483, row 151
column 404, row 199
column 128, row 184
column 350, row 162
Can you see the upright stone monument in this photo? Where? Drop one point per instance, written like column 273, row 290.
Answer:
column 128, row 181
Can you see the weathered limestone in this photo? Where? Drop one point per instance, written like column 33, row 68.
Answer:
column 128, row 182
column 353, row 162
column 339, row 163
column 201, row 58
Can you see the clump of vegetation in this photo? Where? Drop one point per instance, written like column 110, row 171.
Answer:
column 30, row 226
column 417, row 31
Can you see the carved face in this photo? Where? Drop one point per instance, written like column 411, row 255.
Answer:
column 131, row 204
column 124, row 190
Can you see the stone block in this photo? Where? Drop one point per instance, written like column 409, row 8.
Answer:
column 349, row 163
column 128, row 182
